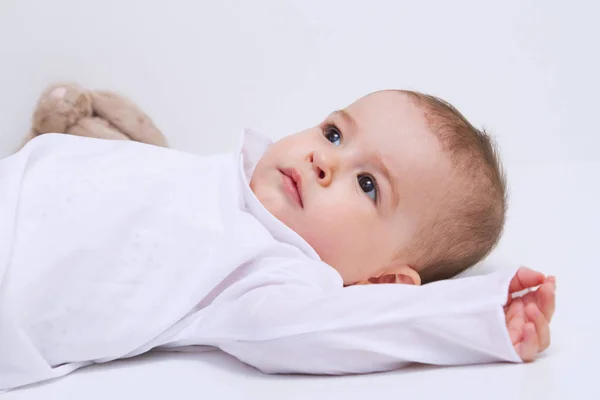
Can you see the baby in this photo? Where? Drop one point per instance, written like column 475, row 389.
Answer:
column 327, row 252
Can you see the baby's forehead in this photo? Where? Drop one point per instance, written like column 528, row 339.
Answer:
column 391, row 122
column 392, row 115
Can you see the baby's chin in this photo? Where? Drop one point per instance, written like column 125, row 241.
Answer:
column 275, row 205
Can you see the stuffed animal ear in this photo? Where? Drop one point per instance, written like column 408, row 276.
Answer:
column 59, row 107
column 126, row 117
column 69, row 108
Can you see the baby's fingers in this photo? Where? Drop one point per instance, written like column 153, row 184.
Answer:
column 528, row 348
column 515, row 320
column 525, row 278
column 546, row 299
column 542, row 327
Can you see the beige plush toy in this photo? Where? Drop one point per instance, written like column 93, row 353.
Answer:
column 68, row 108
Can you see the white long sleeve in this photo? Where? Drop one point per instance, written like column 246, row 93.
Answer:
column 139, row 247
column 286, row 323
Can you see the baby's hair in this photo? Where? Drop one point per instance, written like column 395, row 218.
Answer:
column 470, row 222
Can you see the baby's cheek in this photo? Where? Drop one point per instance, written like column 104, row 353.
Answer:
column 333, row 237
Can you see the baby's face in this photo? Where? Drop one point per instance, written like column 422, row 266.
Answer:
column 358, row 186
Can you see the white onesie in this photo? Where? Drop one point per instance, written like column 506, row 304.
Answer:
column 109, row 249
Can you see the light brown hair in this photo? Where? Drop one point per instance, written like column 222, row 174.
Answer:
column 470, row 223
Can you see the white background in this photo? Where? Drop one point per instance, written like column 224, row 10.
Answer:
column 526, row 70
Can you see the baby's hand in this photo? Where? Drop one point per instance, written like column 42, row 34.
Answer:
column 528, row 317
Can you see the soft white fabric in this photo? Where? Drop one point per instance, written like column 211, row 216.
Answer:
column 109, row 249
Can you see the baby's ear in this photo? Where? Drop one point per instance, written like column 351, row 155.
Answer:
column 394, row 278
column 404, row 274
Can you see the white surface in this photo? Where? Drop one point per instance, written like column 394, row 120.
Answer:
column 527, row 70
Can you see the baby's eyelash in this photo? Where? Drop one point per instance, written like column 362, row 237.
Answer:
column 368, row 185
column 332, row 133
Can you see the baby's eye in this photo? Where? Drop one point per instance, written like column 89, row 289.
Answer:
column 333, row 134
column 368, row 185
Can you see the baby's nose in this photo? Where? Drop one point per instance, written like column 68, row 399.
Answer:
column 322, row 167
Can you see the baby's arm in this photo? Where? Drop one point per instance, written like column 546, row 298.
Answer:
column 284, row 322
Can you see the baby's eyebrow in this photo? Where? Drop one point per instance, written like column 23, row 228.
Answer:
column 345, row 115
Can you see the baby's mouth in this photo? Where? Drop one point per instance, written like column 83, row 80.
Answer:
column 292, row 185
